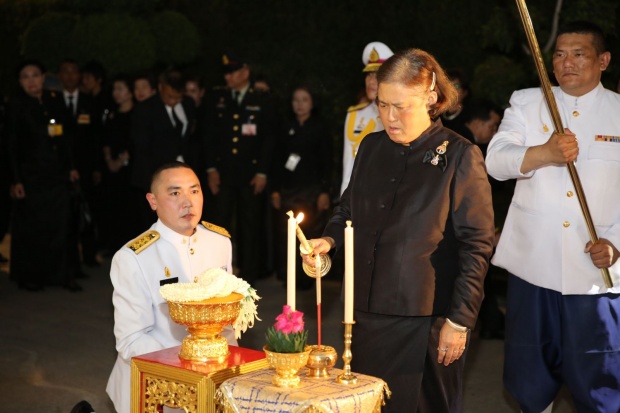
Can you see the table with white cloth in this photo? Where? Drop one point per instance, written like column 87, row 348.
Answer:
column 254, row 392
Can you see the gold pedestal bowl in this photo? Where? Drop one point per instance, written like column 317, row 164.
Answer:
column 286, row 365
column 321, row 359
column 205, row 320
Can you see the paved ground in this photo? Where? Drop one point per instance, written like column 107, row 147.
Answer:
column 57, row 347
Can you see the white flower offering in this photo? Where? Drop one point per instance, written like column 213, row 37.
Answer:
column 216, row 282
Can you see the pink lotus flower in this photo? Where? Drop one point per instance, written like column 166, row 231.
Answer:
column 287, row 335
column 289, row 321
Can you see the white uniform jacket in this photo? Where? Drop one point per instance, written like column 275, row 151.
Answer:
column 545, row 233
column 361, row 120
column 142, row 323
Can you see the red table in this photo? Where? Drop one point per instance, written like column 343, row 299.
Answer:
column 162, row 378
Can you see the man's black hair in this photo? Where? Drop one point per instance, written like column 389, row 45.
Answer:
column 586, row 27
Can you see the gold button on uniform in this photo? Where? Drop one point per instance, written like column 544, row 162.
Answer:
column 569, row 194
column 235, row 139
column 236, row 116
column 235, row 128
column 566, row 224
column 191, row 251
column 575, row 113
column 234, row 151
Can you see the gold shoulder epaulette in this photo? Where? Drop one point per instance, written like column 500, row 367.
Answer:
column 215, row 228
column 143, row 241
column 358, row 107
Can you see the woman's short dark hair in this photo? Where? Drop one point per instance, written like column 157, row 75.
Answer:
column 125, row 79
column 28, row 62
column 415, row 68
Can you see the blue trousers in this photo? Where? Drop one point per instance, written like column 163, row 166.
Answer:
column 554, row 339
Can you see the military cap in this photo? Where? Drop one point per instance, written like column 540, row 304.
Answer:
column 375, row 53
column 231, row 63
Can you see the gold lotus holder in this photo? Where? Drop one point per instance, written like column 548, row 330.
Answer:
column 205, row 320
column 287, row 366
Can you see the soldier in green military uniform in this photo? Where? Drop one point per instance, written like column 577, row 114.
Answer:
column 239, row 143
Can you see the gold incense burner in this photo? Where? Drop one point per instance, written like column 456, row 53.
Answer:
column 321, row 359
column 205, row 320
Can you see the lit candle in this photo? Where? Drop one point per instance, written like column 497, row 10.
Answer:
column 305, row 244
column 348, row 273
column 290, row 260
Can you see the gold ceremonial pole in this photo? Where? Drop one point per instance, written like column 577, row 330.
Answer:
column 545, row 85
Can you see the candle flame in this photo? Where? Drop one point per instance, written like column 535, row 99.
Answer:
column 300, row 217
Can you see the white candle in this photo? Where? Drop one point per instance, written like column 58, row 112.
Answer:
column 348, row 273
column 290, row 260
column 306, row 247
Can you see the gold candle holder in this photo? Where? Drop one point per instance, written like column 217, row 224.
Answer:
column 347, row 377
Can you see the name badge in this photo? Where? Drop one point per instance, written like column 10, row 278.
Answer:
column 83, row 119
column 169, row 281
column 248, row 129
column 292, row 161
column 54, row 129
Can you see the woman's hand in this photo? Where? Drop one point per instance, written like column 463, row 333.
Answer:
column 319, row 246
column 452, row 344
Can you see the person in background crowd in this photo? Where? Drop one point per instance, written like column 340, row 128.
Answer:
column 453, row 119
column 118, row 220
column 261, row 83
column 239, row 148
column 177, row 245
column 144, row 86
column 93, row 84
column 85, row 127
column 363, row 118
column 195, row 89
column 160, row 131
column 41, row 171
column 420, row 203
column 562, row 320
column 301, row 176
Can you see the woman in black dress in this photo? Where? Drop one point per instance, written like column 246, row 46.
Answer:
column 41, row 171
column 420, row 202
column 301, row 176
column 119, row 219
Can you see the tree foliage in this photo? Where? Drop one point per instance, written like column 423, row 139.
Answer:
column 312, row 41
column 50, row 38
column 104, row 37
column 121, row 41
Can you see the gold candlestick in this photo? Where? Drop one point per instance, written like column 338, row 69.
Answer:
column 347, row 377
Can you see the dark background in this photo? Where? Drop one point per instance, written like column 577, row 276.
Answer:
column 319, row 42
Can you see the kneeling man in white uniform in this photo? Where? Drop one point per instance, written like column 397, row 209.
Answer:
column 176, row 249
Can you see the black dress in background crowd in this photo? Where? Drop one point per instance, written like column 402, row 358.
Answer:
column 41, row 160
column 119, row 211
column 300, row 185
